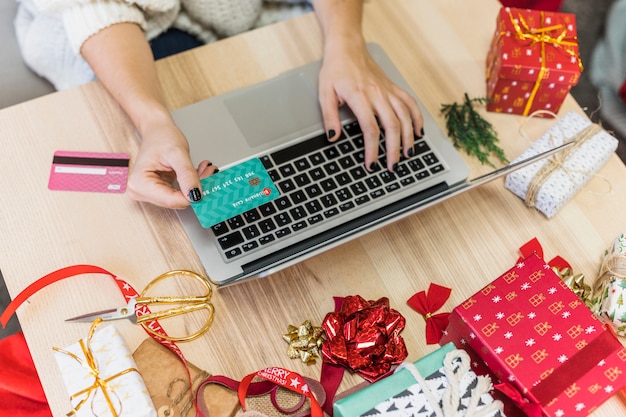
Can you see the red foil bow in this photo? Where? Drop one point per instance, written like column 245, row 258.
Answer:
column 427, row 305
column 364, row 337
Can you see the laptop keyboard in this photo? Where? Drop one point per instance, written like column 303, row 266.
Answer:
column 319, row 180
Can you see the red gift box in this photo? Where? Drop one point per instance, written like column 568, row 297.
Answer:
column 533, row 61
column 541, row 341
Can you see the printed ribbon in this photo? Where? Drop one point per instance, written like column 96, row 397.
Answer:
column 125, row 288
column 264, row 387
column 284, row 378
column 427, row 304
column 91, row 366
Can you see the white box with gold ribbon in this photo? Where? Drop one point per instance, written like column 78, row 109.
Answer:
column 101, row 377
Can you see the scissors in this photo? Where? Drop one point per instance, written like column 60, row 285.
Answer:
column 186, row 304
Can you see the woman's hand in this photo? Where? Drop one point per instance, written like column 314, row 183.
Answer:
column 121, row 58
column 350, row 76
column 163, row 160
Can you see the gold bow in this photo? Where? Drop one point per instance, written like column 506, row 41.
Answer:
column 543, row 36
column 576, row 282
column 91, row 365
column 305, row 341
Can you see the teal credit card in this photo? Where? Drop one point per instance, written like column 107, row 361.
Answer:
column 234, row 191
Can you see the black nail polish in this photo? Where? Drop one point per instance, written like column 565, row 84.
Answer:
column 372, row 166
column 410, row 152
column 422, row 132
column 394, row 167
column 330, row 134
column 195, row 195
column 216, row 170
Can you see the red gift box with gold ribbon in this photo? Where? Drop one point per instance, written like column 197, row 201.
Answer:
column 533, row 61
column 541, row 341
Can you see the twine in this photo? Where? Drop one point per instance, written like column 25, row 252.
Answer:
column 184, row 399
column 614, row 265
column 557, row 161
column 451, row 401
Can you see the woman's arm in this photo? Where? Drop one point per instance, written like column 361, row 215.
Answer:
column 350, row 76
column 122, row 59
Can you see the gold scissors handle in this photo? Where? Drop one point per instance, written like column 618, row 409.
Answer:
column 189, row 304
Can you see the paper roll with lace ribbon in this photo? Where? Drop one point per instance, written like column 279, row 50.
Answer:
column 549, row 184
column 102, row 378
column 610, row 287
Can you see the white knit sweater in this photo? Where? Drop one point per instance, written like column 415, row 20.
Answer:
column 51, row 32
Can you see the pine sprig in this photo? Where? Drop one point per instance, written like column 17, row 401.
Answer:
column 471, row 132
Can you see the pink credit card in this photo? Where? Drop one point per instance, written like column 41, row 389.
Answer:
column 89, row 172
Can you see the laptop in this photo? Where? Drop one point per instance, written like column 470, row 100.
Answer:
column 326, row 195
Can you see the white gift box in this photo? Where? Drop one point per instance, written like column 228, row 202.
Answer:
column 121, row 392
column 569, row 175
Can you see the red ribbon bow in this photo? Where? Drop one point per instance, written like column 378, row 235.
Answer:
column 426, row 305
column 529, row 408
column 534, row 246
column 364, row 337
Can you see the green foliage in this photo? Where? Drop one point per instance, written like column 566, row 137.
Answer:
column 471, row 132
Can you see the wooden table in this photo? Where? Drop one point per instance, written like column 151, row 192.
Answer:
column 440, row 48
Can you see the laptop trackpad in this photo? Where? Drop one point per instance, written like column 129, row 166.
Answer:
column 277, row 109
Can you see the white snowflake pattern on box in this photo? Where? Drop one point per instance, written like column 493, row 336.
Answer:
column 578, row 168
column 413, row 402
column 128, row 391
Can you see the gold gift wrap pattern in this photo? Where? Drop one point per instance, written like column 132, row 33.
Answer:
column 101, row 377
column 553, row 182
column 610, row 287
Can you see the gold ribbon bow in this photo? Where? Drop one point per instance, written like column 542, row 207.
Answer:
column 576, row 282
column 91, row 365
column 305, row 341
column 543, row 37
